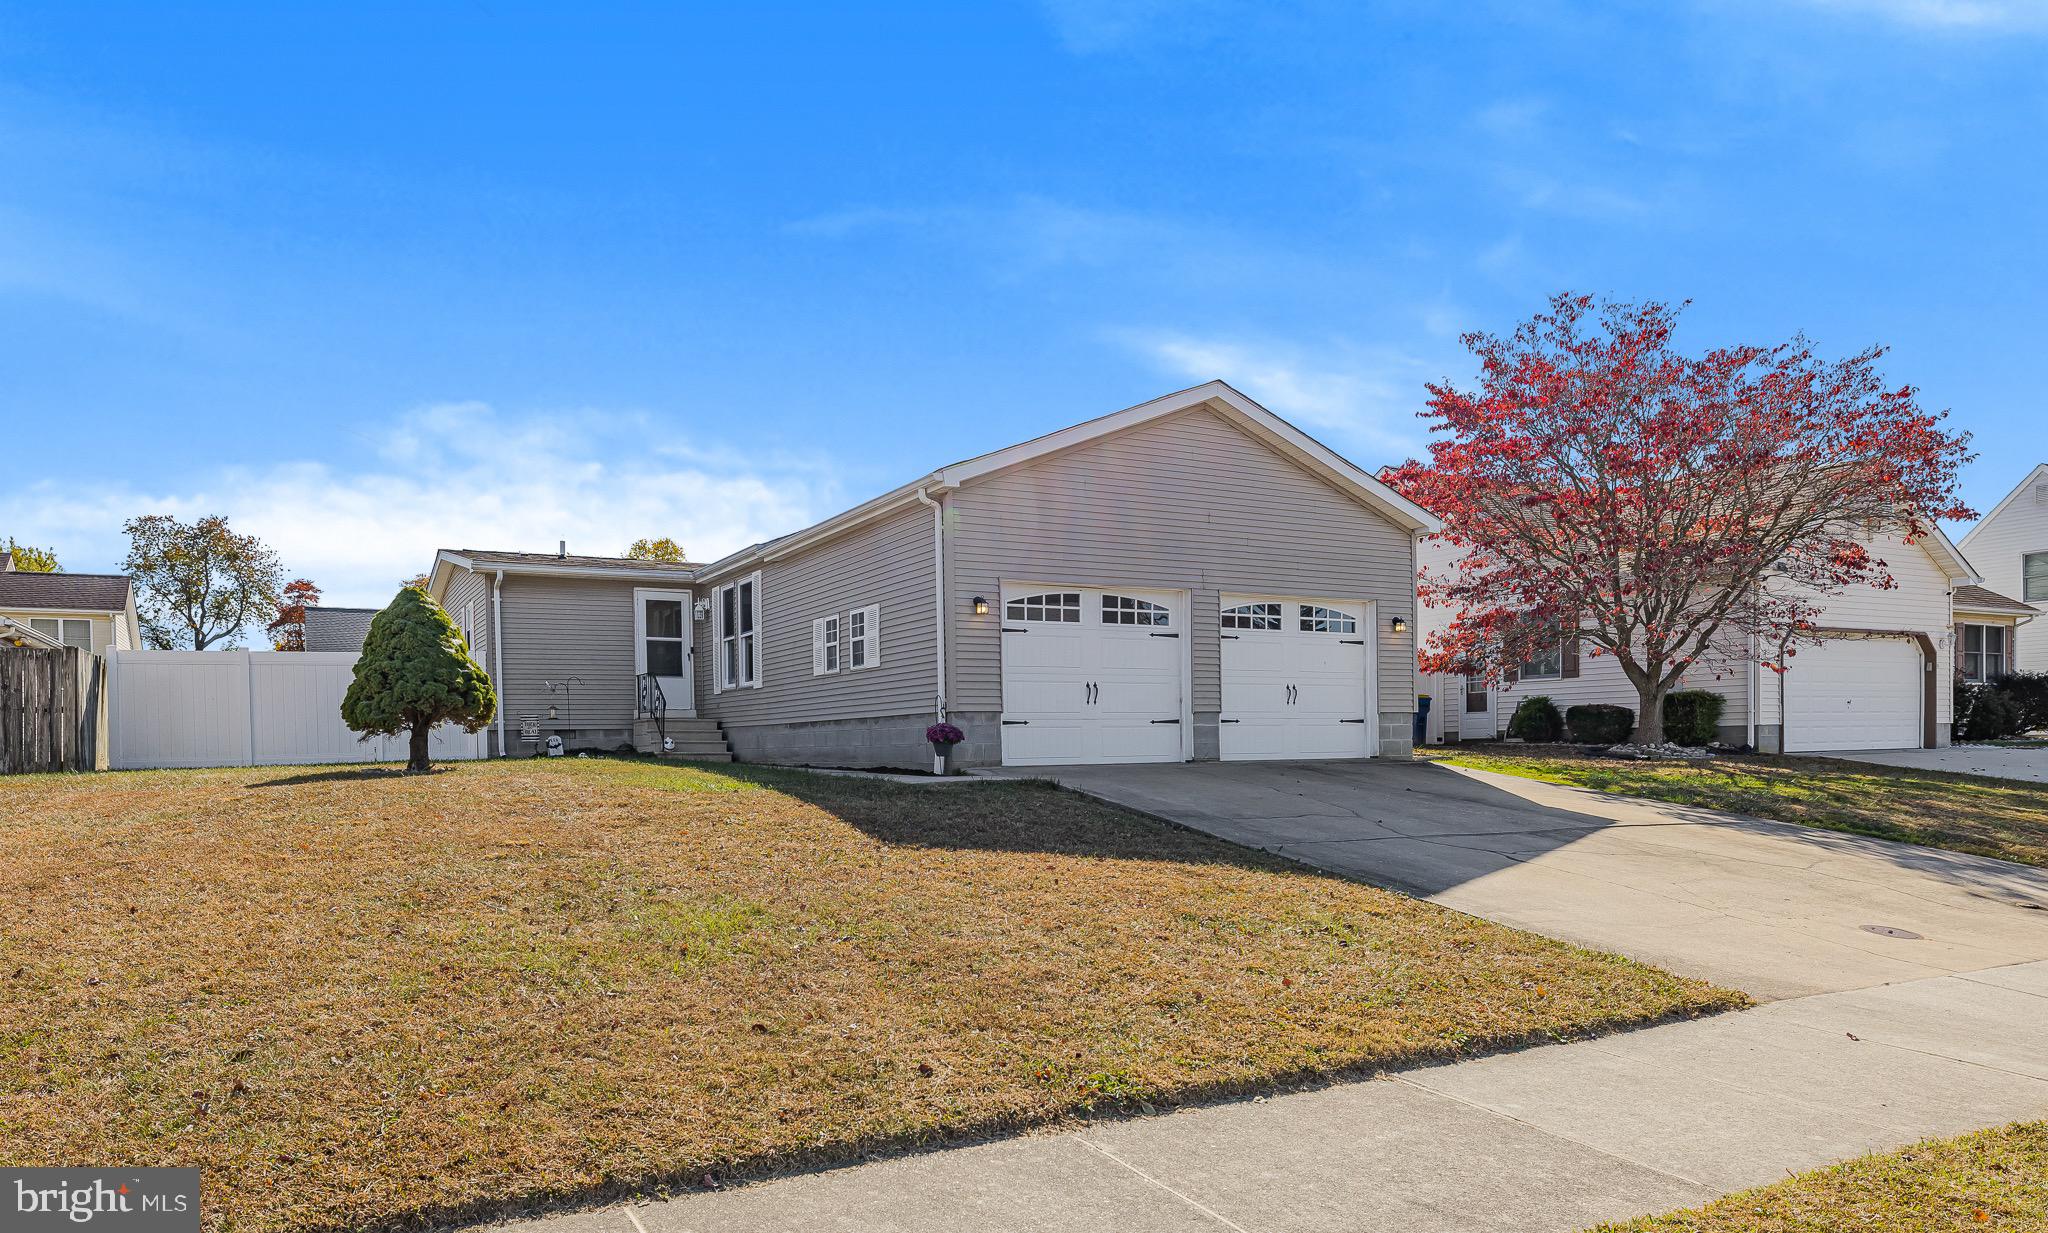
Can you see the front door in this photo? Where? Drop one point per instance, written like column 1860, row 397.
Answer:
column 661, row 634
column 1092, row 674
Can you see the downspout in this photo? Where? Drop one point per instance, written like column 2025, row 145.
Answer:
column 938, row 611
column 498, row 658
column 1755, row 683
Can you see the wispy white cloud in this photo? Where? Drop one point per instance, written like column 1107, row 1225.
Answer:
column 1957, row 15
column 456, row 475
column 1363, row 397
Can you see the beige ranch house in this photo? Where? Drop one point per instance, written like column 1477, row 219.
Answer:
column 1192, row 578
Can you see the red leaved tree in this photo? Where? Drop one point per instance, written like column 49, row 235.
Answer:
column 1663, row 508
column 288, row 631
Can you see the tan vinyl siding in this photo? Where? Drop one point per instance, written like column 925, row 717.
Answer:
column 104, row 630
column 466, row 588
column 1188, row 502
column 558, row 627
column 886, row 563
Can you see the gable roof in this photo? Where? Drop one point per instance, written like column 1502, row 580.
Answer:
column 2039, row 475
column 1938, row 545
column 1262, row 425
column 1983, row 599
column 65, row 592
column 488, row 560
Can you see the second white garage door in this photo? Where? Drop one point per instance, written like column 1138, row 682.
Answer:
column 1854, row 693
column 1294, row 678
column 1092, row 675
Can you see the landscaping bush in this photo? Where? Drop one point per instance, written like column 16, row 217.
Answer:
column 1987, row 713
column 1693, row 716
column 2030, row 691
column 1598, row 723
column 1536, row 719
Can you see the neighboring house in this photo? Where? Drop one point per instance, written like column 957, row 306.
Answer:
column 338, row 629
column 92, row 611
column 2010, row 544
column 1880, row 681
column 1987, row 632
column 1192, row 578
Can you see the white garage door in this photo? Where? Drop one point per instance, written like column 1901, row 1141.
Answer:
column 1294, row 679
column 1092, row 675
column 1854, row 693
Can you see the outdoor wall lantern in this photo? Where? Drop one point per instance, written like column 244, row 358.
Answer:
column 980, row 606
column 1400, row 625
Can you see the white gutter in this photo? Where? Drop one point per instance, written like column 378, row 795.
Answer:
column 498, row 659
column 938, row 609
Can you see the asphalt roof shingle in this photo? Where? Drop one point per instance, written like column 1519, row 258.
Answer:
column 486, row 556
column 1983, row 599
column 66, row 592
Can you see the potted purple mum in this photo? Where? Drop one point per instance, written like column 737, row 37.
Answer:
column 944, row 737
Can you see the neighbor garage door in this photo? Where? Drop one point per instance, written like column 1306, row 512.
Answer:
column 1854, row 693
column 1092, row 675
column 1294, row 678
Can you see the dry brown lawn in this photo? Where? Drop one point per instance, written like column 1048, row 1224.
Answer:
column 1992, row 1180
column 360, row 1000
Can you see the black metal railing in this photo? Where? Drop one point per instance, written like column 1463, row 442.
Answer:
column 650, row 702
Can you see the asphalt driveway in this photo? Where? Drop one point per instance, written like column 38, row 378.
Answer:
column 1771, row 908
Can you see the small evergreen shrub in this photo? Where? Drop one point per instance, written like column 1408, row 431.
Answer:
column 2030, row 691
column 1987, row 713
column 1693, row 716
column 1598, row 723
column 1536, row 719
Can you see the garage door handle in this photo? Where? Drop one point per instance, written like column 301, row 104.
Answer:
column 1354, row 642
column 1228, row 637
column 1015, row 723
column 1166, row 721
column 1230, row 721
column 1166, row 635
column 1351, row 721
column 1012, row 629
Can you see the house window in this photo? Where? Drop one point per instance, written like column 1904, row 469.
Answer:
column 663, row 638
column 1315, row 620
column 1546, row 665
column 738, row 634
column 1252, row 616
column 1061, row 606
column 69, row 631
column 825, row 645
column 1125, row 610
column 2035, row 567
column 864, row 637
column 1984, row 652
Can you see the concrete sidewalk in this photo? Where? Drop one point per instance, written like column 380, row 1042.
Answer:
column 2028, row 764
column 1554, row 1138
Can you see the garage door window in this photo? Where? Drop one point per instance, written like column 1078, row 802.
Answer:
column 1252, row 616
column 1315, row 620
column 1126, row 610
column 1060, row 606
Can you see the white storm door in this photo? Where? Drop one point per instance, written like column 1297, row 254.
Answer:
column 661, row 645
column 1854, row 693
column 1294, row 679
column 1091, row 675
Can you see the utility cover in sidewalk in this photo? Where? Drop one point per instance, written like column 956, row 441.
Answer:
column 1892, row 931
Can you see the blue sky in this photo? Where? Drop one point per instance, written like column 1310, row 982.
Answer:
column 373, row 280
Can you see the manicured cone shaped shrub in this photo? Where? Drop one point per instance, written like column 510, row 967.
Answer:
column 415, row 672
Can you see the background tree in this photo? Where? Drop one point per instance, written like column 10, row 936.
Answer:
column 417, row 580
column 663, row 549
column 32, row 560
column 415, row 672
column 288, row 631
column 199, row 585
column 1659, row 507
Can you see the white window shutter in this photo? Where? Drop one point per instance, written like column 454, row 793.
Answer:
column 760, row 630
column 718, row 640
column 818, row 647
column 874, row 631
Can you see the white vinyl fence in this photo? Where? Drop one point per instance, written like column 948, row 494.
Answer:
column 245, row 708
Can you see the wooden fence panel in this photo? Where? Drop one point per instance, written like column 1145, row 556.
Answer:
column 52, row 710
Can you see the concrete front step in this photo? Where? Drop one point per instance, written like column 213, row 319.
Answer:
column 696, row 739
